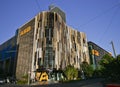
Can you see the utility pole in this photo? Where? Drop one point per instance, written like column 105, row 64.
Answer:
column 113, row 49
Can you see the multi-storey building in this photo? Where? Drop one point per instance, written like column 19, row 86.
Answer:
column 8, row 57
column 46, row 41
column 96, row 53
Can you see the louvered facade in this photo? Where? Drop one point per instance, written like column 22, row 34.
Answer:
column 46, row 41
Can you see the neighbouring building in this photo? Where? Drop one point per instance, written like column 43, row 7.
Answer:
column 96, row 53
column 8, row 57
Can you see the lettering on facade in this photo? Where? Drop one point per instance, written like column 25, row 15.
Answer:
column 26, row 30
column 95, row 52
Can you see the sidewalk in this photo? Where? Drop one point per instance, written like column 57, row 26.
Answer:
column 83, row 83
column 94, row 85
column 44, row 83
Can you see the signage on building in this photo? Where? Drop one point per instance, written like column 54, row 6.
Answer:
column 95, row 52
column 26, row 30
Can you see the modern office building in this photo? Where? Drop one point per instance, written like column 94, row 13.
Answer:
column 96, row 53
column 46, row 41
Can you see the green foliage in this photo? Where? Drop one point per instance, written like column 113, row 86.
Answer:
column 97, row 73
column 25, row 76
column 71, row 72
column 87, row 69
column 110, row 69
column 106, row 60
column 23, row 80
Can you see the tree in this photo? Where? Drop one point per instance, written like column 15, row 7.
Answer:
column 106, row 59
column 97, row 73
column 71, row 72
column 110, row 68
column 87, row 69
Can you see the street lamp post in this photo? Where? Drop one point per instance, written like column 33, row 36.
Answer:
column 113, row 49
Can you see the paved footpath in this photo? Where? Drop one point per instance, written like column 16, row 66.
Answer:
column 93, row 85
column 84, row 83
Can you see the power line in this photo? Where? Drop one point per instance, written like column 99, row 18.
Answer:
column 104, row 12
column 38, row 6
column 110, row 23
column 108, row 27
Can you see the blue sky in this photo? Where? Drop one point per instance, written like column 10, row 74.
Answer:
column 99, row 19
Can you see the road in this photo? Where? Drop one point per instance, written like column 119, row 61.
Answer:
column 84, row 83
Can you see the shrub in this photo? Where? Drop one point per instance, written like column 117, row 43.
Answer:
column 71, row 72
column 87, row 69
column 23, row 80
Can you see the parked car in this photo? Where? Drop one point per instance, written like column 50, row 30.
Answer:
column 2, row 80
column 11, row 80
